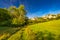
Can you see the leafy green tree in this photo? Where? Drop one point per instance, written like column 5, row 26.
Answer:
column 58, row 16
column 14, row 12
column 4, row 17
column 22, row 16
column 18, row 15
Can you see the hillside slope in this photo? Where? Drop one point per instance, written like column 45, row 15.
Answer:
column 28, row 32
column 52, row 26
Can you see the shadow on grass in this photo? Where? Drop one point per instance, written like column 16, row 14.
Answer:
column 46, row 36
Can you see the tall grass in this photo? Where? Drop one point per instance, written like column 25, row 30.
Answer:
column 28, row 34
column 41, row 31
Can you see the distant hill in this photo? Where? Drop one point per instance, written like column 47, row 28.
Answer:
column 48, row 16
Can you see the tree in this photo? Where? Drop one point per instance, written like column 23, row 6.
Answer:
column 13, row 11
column 58, row 16
column 18, row 15
column 22, row 15
column 4, row 17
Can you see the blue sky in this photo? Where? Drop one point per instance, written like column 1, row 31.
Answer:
column 34, row 7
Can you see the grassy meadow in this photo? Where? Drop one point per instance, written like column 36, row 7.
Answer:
column 45, row 28
column 52, row 26
column 7, row 30
column 28, row 33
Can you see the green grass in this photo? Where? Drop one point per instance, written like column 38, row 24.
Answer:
column 7, row 30
column 51, row 26
column 28, row 32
